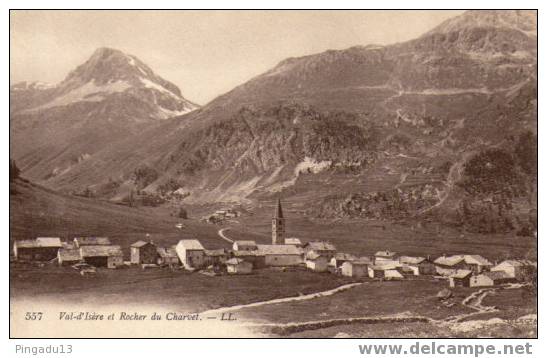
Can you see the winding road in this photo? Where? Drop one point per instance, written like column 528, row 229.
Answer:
column 224, row 237
column 283, row 300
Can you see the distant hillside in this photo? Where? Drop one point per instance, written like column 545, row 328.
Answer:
column 37, row 211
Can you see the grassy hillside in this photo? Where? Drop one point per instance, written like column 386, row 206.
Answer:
column 36, row 211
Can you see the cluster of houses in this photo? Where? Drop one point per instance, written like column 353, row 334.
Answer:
column 246, row 256
column 221, row 215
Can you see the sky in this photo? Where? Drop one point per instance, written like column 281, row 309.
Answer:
column 205, row 53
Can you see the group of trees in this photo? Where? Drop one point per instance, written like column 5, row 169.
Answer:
column 498, row 185
column 14, row 171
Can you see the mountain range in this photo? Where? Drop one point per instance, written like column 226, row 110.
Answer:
column 441, row 126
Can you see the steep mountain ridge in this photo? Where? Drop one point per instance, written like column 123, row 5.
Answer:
column 110, row 97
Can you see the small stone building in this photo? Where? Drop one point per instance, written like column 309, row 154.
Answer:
column 316, row 262
column 477, row 263
column 339, row 258
column 110, row 256
column 516, row 269
column 143, row 252
column 355, row 268
column 39, row 249
column 67, row 257
column 448, row 265
column 215, row 257
column 281, row 255
column 237, row 266
column 191, row 254
column 460, row 278
column 257, row 259
column 417, row 265
column 167, row 256
column 491, row 278
column 320, row 247
column 383, row 257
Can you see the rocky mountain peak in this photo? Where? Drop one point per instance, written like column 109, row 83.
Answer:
column 108, row 65
column 521, row 20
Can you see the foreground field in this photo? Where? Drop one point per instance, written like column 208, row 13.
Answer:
column 179, row 290
column 364, row 309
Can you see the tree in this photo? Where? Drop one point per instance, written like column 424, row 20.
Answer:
column 183, row 214
column 526, row 152
column 14, row 171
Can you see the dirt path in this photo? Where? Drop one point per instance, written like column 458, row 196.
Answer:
column 473, row 301
column 224, row 237
column 283, row 300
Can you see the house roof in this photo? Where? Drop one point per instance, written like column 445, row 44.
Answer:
column 461, row 274
column 141, row 243
column 497, row 275
column 342, row 256
column 166, row 252
column 359, row 262
column 312, row 255
column 69, row 254
column 247, row 253
column 292, row 241
column 449, row 260
column 392, row 274
column 216, row 252
column 234, row 261
column 278, row 250
column 515, row 263
column 320, row 246
column 39, row 242
column 383, row 267
column 386, row 253
column 101, row 250
column 68, row 245
column 191, row 244
column 476, row 260
column 92, row 241
column 411, row 260
column 245, row 243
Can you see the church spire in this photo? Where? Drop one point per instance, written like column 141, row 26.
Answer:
column 278, row 225
column 278, row 211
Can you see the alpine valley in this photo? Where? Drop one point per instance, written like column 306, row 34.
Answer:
column 442, row 129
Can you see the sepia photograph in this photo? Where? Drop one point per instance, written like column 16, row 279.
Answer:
column 273, row 174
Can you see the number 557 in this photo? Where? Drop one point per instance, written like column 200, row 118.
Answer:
column 33, row 316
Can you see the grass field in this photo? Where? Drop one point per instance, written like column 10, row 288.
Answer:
column 37, row 211
column 181, row 290
column 373, row 298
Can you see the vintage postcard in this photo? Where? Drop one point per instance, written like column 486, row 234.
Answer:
column 274, row 174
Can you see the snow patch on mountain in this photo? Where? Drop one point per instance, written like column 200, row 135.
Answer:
column 149, row 84
column 311, row 165
column 36, row 85
column 88, row 92
column 164, row 113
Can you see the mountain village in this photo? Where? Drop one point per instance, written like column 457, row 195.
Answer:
column 86, row 254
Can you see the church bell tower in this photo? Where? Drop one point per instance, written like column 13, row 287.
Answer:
column 278, row 225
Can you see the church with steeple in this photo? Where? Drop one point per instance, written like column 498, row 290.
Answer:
column 278, row 225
